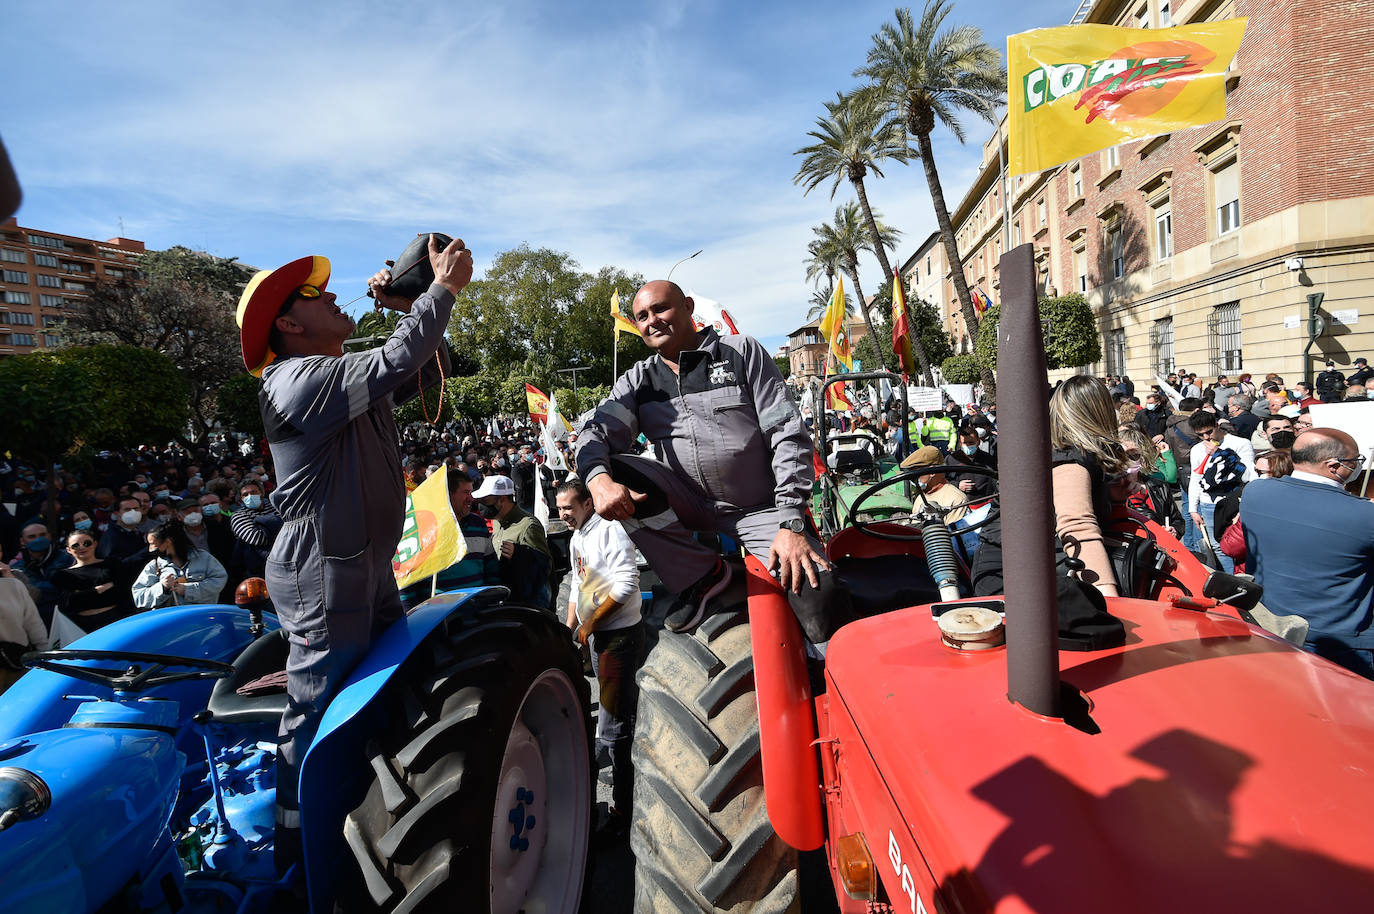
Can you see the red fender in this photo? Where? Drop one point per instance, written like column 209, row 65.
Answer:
column 787, row 722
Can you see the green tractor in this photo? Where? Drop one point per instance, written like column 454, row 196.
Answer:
column 855, row 461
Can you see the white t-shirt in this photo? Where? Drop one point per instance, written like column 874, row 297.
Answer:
column 603, row 564
column 1200, row 453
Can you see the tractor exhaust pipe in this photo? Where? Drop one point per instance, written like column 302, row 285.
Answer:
column 1028, row 553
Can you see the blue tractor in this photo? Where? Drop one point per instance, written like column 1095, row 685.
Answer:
column 453, row 770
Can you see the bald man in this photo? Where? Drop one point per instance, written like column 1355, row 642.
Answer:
column 1312, row 547
column 732, row 456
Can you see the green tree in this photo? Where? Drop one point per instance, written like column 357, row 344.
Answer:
column 852, row 140
column 239, row 408
column 924, row 74
column 960, row 369
column 183, row 309
column 926, row 326
column 1070, row 327
column 140, row 396
column 47, row 410
column 784, row 365
column 849, row 234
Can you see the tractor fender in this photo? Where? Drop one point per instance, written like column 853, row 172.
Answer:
column 334, row 772
column 787, row 722
column 213, row 632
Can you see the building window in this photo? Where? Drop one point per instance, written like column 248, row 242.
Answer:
column 1142, row 17
column 1041, row 213
column 52, row 320
column 1162, row 342
column 15, row 276
column 1116, row 246
column 51, row 301
column 21, row 339
column 48, row 281
column 73, row 267
column 1080, row 268
column 17, row 298
column 1116, row 351
column 10, row 256
column 45, row 260
column 1112, row 157
column 21, row 319
column 1224, row 329
column 51, row 341
column 1077, row 173
column 1015, row 233
column 1164, row 233
column 1166, row 17
column 43, row 241
column 1226, row 193
column 74, row 286
column 928, row 270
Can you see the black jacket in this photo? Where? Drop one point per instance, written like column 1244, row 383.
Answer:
column 1152, row 421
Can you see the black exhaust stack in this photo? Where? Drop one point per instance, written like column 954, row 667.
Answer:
column 1024, row 481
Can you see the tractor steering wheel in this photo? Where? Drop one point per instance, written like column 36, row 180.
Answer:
column 867, row 527
column 141, row 671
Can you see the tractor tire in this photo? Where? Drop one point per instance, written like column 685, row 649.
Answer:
column 481, row 796
column 700, row 833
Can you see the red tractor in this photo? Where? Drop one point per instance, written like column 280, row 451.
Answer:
column 1203, row 765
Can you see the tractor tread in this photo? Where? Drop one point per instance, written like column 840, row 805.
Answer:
column 394, row 793
column 717, row 787
column 722, row 876
column 716, row 624
column 377, row 884
column 691, row 727
column 711, row 842
column 432, row 740
column 732, row 682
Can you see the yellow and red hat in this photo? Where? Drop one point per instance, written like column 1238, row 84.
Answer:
column 262, row 299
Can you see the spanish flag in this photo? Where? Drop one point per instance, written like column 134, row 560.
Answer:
column 538, row 403
column 622, row 324
column 901, row 326
column 833, row 327
column 981, row 302
column 1076, row 89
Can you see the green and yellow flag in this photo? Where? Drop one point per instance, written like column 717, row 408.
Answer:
column 1076, row 89
column 622, row 323
column 430, row 541
column 833, row 327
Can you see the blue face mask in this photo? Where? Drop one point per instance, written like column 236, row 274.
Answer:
column 39, row 544
column 252, row 501
column 969, row 449
column 210, row 510
column 82, row 525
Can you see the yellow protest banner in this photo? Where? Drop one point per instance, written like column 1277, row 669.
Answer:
column 430, row 541
column 1076, row 89
column 622, row 323
column 832, row 326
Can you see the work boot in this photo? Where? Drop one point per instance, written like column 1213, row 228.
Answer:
column 691, row 606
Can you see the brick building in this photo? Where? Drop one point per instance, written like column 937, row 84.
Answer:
column 806, row 348
column 1198, row 249
column 44, row 275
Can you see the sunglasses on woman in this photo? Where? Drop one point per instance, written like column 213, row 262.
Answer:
column 84, row 544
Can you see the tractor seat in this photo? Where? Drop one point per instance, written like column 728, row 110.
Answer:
column 853, row 459
column 882, row 583
column 265, row 655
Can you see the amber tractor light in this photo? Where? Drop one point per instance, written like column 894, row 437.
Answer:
column 855, row 865
column 253, row 590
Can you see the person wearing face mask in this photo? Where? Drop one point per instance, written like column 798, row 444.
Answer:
column 521, row 546
column 178, row 573
column 1154, row 418
column 124, row 537
column 970, row 453
column 936, row 493
column 1311, row 546
column 38, row 560
column 1275, row 433
column 522, row 474
column 255, row 526
column 213, row 539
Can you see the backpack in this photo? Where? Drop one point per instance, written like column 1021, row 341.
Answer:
column 1224, row 472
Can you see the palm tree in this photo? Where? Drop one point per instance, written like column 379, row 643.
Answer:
column 820, row 301
column 852, row 141
column 925, row 75
column 848, row 235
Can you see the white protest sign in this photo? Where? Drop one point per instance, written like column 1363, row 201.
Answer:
column 924, row 399
column 1355, row 419
column 961, row 393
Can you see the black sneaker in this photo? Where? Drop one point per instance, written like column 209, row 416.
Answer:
column 691, row 606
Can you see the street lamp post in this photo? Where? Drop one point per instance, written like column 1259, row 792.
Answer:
column 680, row 263
column 573, row 371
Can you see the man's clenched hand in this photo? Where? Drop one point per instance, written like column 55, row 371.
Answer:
column 612, row 500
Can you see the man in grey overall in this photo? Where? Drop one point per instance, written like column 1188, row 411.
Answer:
column 329, row 423
column 732, row 456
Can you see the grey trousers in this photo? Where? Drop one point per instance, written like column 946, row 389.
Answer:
column 332, row 607
column 664, row 525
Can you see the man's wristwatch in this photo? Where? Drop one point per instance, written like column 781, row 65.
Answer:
column 796, row 525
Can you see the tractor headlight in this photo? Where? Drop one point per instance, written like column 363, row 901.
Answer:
column 23, row 796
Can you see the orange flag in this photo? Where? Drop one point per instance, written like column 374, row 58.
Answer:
column 901, row 326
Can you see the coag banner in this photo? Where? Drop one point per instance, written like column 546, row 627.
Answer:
column 1080, row 88
column 430, row 541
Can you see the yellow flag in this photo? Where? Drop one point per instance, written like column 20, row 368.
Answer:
column 833, row 326
column 1076, row 89
column 622, row 324
column 430, row 541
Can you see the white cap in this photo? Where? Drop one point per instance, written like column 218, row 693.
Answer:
column 495, row 485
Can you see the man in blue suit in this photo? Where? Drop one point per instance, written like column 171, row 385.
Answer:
column 1312, row 545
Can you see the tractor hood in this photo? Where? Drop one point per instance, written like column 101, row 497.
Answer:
column 112, row 790
column 1211, row 767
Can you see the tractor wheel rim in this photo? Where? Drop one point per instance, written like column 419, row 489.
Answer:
column 543, row 808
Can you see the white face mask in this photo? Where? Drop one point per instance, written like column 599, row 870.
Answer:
column 193, row 519
column 131, row 517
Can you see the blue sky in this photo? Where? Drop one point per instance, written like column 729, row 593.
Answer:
column 628, row 134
